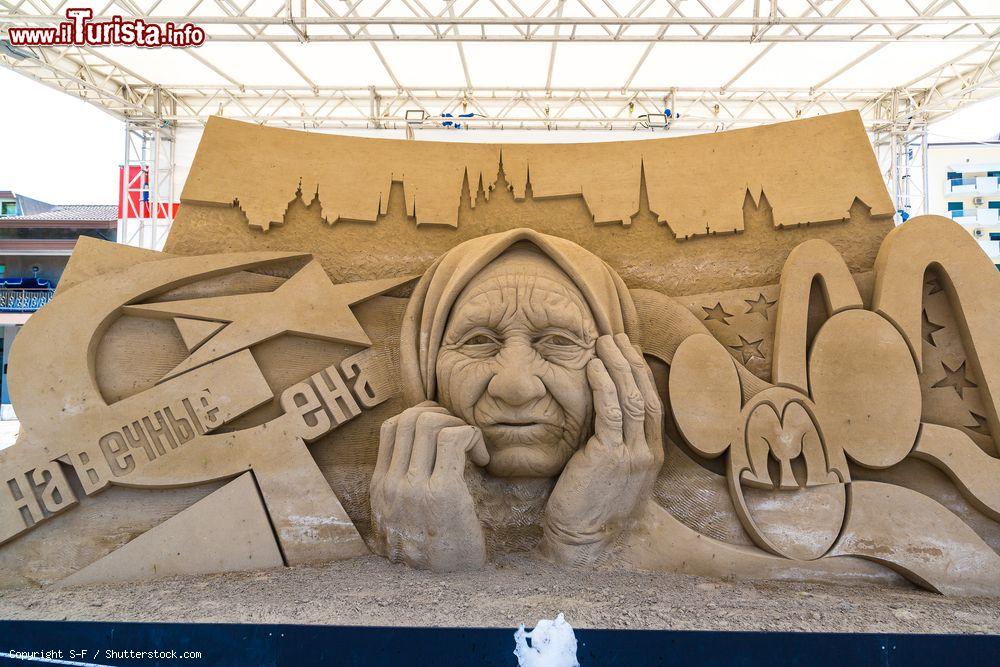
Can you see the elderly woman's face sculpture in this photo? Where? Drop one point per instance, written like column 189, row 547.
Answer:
column 516, row 357
column 513, row 362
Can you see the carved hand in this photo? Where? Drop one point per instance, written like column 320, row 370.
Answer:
column 422, row 511
column 606, row 481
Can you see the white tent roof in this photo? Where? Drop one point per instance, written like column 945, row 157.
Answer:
column 531, row 63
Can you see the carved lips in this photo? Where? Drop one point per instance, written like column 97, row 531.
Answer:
column 509, row 434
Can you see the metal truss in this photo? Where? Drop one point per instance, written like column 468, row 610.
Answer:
column 508, row 108
column 896, row 118
column 551, row 21
column 94, row 76
column 147, row 192
column 902, row 156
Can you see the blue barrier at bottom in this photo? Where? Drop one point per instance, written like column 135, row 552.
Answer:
column 86, row 643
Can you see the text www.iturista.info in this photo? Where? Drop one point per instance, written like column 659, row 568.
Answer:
column 80, row 30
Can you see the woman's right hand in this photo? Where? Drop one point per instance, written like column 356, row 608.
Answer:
column 606, row 482
column 422, row 511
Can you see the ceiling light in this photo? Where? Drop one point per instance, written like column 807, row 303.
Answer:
column 9, row 50
column 415, row 116
column 654, row 121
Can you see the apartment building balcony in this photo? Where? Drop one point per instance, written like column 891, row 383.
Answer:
column 976, row 186
column 977, row 217
column 20, row 297
column 24, row 300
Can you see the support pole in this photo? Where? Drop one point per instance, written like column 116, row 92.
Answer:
column 147, row 195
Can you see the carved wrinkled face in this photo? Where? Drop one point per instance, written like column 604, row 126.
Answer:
column 513, row 362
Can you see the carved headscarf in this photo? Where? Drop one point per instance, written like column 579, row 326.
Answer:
column 433, row 297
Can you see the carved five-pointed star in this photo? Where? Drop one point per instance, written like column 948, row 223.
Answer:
column 716, row 312
column 748, row 349
column 307, row 304
column 981, row 425
column 929, row 328
column 933, row 286
column 759, row 306
column 955, row 378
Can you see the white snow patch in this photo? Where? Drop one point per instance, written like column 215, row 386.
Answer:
column 553, row 644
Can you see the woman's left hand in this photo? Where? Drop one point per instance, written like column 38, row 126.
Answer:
column 613, row 473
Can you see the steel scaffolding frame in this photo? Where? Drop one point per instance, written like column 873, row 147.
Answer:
column 897, row 118
column 587, row 21
column 147, row 194
column 96, row 77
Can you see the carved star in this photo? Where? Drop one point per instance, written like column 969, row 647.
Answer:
column 981, row 426
column 716, row 312
column 759, row 306
column 748, row 349
column 929, row 329
column 955, row 378
column 307, row 304
column 933, row 286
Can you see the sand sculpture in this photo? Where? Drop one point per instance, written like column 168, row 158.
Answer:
column 710, row 354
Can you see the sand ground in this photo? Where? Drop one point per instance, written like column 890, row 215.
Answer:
column 371, row 591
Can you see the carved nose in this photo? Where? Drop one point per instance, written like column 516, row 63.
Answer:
column 515, row 383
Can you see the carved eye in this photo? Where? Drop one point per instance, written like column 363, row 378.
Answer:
column 480, row 345
column 561, row 349
column 480, row 339
column 559, row 341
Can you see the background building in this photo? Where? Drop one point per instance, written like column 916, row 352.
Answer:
column 964, row 184
column 36, row 240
